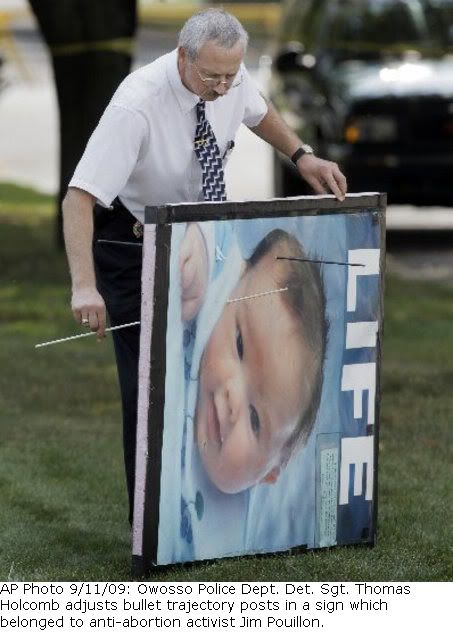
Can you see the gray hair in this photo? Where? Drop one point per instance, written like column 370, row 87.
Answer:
column 211, row 25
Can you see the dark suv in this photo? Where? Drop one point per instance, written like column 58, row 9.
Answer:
column 369, row 84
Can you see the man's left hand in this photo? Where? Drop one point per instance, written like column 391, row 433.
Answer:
column 323, row 176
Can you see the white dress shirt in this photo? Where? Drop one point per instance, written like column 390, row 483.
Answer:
column 142, row 149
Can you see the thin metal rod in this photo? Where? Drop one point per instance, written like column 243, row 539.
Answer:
column 357, row 265
column 75, row 336
column 255, row 296
column 123, row 243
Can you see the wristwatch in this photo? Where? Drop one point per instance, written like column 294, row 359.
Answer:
column 305, row 149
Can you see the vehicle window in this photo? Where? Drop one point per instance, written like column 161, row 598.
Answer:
column 439, row 16
column 368, row 26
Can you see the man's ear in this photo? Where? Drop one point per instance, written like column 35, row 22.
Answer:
column 271, row 477
column 182, row 54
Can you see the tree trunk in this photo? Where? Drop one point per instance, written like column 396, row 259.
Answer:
column 90, row 42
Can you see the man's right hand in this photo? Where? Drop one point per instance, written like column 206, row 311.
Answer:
column 88, row 308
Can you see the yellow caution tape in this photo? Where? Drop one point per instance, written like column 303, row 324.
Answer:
column 8, row 44
column 265, row 14
column 118, row 45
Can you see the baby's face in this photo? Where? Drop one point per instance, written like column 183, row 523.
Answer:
column 251, row 390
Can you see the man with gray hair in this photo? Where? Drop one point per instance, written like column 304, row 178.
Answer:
column 164, row 138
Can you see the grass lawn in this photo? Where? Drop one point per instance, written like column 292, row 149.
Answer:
column 62, row 492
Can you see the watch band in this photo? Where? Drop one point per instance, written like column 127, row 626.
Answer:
column 302, row 150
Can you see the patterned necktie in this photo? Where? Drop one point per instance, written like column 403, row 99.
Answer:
column 208, row 154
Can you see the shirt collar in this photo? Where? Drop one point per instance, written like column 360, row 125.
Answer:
column 186, row 99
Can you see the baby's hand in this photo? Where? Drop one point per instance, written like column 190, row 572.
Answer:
column 194, row 268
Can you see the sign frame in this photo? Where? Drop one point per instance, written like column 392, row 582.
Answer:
column 158, row 228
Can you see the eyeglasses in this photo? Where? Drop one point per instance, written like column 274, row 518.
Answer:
column 211, row 82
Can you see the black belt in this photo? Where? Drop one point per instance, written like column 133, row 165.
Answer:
column 116, row 224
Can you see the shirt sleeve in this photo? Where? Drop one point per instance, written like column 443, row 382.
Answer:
column 255, row 104
column 111, row 153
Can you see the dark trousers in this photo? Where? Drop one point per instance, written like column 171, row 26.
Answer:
column 118, row 274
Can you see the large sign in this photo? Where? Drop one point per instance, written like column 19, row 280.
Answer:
column 259, row 369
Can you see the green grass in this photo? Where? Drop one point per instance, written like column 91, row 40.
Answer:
column 62, row 491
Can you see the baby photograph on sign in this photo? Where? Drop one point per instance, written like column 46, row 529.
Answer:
column 262, row 435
